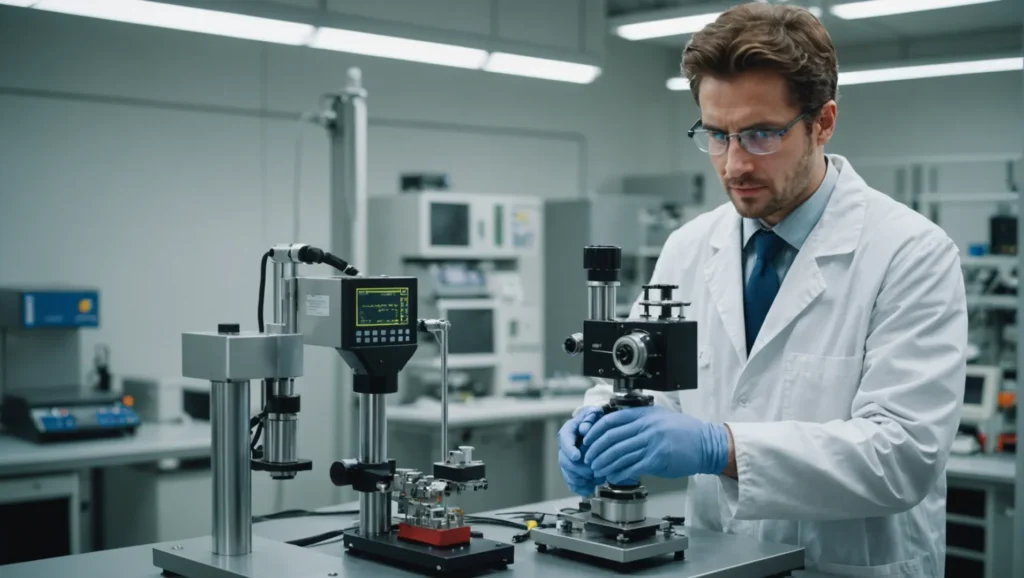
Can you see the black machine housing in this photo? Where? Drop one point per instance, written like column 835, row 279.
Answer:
column 672, row 352
column 376, row 365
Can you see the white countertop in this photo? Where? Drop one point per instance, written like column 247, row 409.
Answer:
column 983, row 467
column 484, row 411
column 151, row 442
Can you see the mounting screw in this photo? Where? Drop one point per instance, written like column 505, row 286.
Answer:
column 438, row 567
column 601, row 371
column 177, row 547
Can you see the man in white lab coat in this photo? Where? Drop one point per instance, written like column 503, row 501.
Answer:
column 832, row 328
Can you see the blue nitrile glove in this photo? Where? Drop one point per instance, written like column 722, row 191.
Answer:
column 577, row 474
column 654, row 441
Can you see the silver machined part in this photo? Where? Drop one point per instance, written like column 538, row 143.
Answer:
column 280, row 444
column 631, row 352
column 456, row 458
column 373, row 507
column 283, row 253
column 573, row 344
column 601, row 298
column 467, row 451
column 240, row 357
column 232, row 478
column 620, row 511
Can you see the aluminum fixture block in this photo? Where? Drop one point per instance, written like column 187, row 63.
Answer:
column 239, row 357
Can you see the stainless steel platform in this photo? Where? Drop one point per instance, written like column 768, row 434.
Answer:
column 194, row 558
column 595, row 544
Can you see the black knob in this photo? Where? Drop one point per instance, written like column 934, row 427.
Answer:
column 228, row 328
column 340, row 474
column 602, row 262
column 624, row 354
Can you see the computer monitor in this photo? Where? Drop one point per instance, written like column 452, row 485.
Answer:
column 981, row 393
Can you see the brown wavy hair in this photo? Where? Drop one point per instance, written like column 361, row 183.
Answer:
column 779, row 37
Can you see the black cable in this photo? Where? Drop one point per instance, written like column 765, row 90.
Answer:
column 312, row 540
column 287, row 514
column 263, row 286
column 495, row 522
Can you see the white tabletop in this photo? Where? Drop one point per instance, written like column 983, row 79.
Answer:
column 484, row 411
column 151, row 442
column 1000, row 468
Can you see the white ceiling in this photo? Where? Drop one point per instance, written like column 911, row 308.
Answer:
column 980, row 19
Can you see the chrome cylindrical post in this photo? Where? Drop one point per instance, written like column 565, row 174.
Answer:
column 232, row 490
column 374, row 517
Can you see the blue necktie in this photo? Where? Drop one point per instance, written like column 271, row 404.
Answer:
column 763, row 285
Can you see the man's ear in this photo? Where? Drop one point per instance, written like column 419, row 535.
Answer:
column 827, row 122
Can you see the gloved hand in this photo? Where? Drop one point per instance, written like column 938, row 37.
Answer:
column 654, row 441
column 577, row 474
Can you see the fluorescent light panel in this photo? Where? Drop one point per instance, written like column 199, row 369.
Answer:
column 931, row 70
column 505, row 63
column 399, row 48
column 677, row 26
column 184, row 18
column 254, row 28
column 906, row 72
column 666, row 26
column 873, row 8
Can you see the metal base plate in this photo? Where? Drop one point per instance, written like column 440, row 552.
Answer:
column 598, row 545
column 479, row 554
column 194, row 558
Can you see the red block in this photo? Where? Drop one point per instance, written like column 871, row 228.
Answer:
column 449, row 537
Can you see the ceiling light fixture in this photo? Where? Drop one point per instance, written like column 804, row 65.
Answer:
column 398, row 48
column 847, row 78
column 505, row 63
column 184, row 18
column 874, row 8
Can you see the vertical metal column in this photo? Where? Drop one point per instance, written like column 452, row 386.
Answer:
column 374, row 508
column 601, row 300
column 347, row 132
column 232, row 487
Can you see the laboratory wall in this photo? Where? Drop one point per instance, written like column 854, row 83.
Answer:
column 156, row 165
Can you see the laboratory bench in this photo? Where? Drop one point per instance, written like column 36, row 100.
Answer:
column 84, row 489
column 980, row 515
column 150, row 443
column 710, row 554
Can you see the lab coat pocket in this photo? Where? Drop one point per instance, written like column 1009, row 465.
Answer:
column 820, row 388
column 906, row 569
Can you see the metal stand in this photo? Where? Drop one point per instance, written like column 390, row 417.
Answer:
column 229, row 359
column 614, row 525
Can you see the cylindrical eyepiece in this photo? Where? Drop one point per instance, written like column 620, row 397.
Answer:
column 573, row 344
column 602, row 262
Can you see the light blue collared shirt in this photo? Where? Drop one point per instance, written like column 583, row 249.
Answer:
column 794, row 228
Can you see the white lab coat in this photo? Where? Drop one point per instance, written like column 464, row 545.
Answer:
column 845, row 411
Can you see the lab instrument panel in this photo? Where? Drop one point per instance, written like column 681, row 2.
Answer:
column 48, row 307
column 479, row 262
column 55, row 414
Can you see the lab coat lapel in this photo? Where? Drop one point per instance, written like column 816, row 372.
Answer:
column 724, row 276
column 836, row 233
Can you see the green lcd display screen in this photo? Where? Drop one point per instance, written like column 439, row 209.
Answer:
column 382, row 306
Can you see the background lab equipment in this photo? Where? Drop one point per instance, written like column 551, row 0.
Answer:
column 44, row 399
column 988, row 418
column 479, row 260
